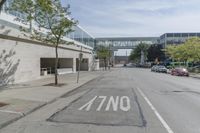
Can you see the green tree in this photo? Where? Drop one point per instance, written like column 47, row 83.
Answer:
column 171, row 51
column 103, row 53
column 136, row 53
column 189, row 51
column 192, row 49
column 155, row 52
column 26, row 7
column 52, row 22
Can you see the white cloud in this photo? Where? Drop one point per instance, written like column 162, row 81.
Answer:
column 137, row 17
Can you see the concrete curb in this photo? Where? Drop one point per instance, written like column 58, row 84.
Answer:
column 51, row 101
column 21, row 116
column 196, row 77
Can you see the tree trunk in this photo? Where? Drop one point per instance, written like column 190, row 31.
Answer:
column 56, row 66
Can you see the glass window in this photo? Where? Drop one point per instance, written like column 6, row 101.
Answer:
column 78, row 34
column 163, row 36
column 198, row 34
column 81, row 36
column 184, row 34
column 170, row 35
column 170, row 42
column 177, row 35
column 192, row 34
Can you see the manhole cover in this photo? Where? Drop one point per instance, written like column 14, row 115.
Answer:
column 3, row 104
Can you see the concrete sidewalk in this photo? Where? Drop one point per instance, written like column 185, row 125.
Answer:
column 25, row 98
column 194, row 75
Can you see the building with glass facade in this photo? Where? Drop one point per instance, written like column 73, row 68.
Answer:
column 131, row 42
column 175, row 38
column 79, row 33
column 125, row 42
column 82, row 36
column 24, row 59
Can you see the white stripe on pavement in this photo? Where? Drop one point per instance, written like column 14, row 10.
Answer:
column 164, row 123
column 12, row 112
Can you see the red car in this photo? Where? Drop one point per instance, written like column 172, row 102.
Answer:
column 180, row 72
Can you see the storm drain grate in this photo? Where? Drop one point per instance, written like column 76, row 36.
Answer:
column 3, row 104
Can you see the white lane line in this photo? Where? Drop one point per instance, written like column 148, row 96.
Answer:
column 12, row 112
column 164, row 123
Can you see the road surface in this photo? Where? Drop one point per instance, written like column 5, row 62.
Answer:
column 124, row 100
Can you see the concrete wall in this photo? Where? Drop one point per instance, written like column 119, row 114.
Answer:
column 49, row 64
column 65, row 63
column 84, row 66
column 20, row 59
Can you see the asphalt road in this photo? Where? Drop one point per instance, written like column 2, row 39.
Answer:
column 124, row 100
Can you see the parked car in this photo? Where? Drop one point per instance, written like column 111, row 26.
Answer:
column 180, row 72
column 153, row 68
column 161, row 69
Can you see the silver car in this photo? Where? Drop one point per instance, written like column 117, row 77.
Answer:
column 161, row 69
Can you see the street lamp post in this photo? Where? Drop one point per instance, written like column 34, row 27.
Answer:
column 109, row 58
column 126, row 57
column 79, row 66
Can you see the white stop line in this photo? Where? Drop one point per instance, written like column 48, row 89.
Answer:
column 114, row 103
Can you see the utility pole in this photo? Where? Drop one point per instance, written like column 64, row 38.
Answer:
column 126, row 57
column 79, row 65
column 109, row 58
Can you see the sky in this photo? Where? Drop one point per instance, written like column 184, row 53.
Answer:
column 135, row 18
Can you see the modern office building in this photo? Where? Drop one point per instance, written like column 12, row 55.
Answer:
column 175, row 38
column 115, row 43
column 131, row 42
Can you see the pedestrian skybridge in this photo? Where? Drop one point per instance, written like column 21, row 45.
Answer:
column 125, row 42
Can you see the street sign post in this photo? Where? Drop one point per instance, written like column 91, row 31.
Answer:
column 79, row 66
